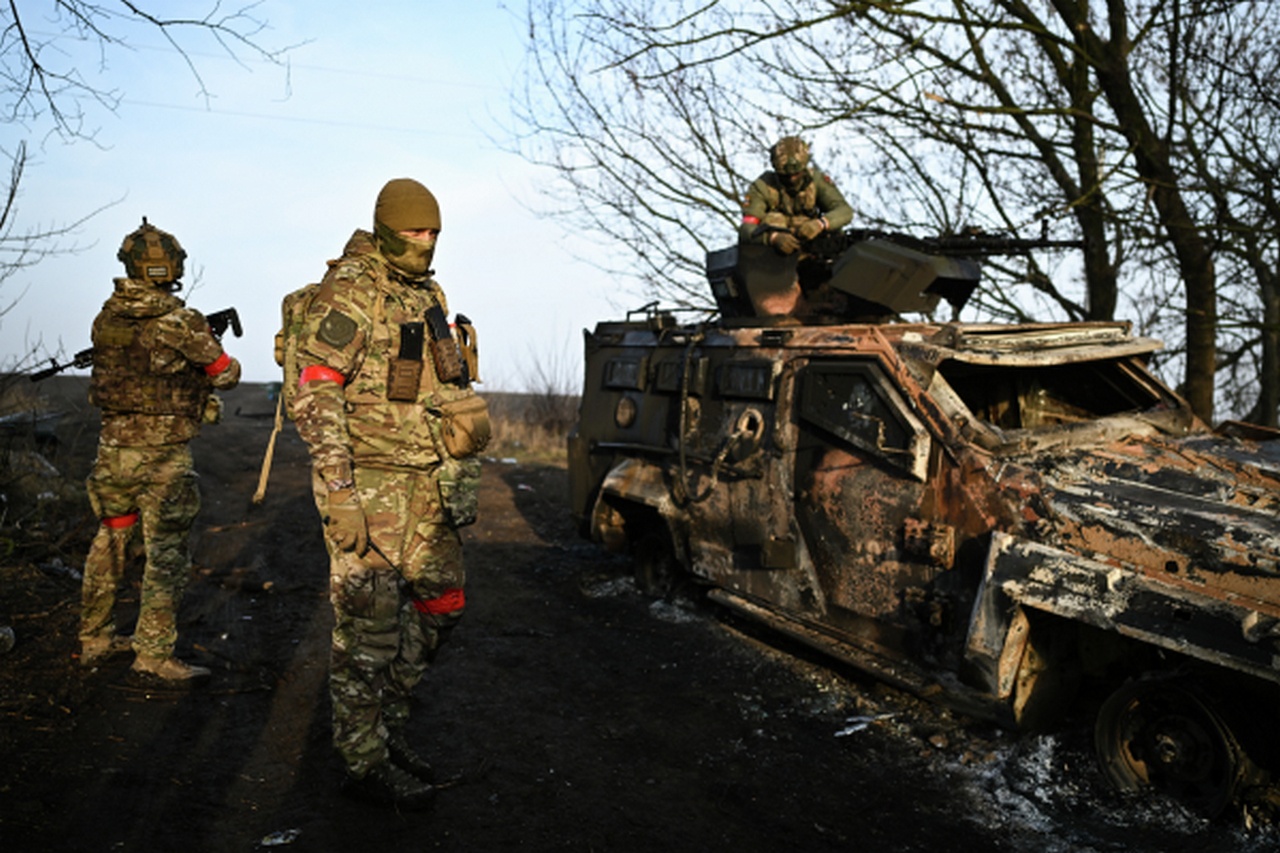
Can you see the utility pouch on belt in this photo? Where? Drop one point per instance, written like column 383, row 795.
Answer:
column 405, row 371
column 444, row 349
column 459, row 481
column 464, row 422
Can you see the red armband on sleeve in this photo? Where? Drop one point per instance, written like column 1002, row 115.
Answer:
column 750, row 220
column 223, row 362
column 318, row 372
column 452, row 600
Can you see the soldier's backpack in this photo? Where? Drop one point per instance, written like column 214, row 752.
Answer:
column 293, row 316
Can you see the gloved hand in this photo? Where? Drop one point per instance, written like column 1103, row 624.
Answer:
column 811, row 228
column 784, row 242
column 344, row 522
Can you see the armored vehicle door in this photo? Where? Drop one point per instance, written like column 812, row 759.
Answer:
column 736, row 503
column 862, row 460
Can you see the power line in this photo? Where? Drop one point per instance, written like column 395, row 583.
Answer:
column 287, row 64
column 435, row 133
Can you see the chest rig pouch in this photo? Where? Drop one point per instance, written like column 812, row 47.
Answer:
column 404, row 373
column 464, row 415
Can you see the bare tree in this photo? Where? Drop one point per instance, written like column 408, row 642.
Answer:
column 43, row 89
column 999, row 114
column 1224, row 119
column 42, row 84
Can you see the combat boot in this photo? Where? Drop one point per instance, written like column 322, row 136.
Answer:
column 403, row 756
column 167, row 672
column 388, row 785
column 96, row 650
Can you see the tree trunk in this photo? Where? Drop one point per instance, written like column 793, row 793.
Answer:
column 1268, row 408
column 1110, row 62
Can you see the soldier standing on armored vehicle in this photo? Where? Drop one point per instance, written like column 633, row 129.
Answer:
column 376, row 416
column 790, row 206
column 155, row 364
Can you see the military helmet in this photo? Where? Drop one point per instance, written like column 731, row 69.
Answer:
column 152, row 255
column 789, row 155
column 406, row 205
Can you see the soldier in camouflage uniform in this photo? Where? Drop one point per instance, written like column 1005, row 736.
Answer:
column 786, row 208
column 155, row 364
column 366, row 406
column 793, row 203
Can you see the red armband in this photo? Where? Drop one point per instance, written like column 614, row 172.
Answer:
column 223, row 362
column 750, row 220
column 318, row 372
column 450, row 601
column 119, row 522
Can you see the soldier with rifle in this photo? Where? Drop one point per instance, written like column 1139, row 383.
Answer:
column 219, row 322
column 155, row 365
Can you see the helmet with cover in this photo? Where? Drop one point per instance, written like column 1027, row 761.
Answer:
column 789, row 155
column 153, row 256
column 406, row 205
column 790, row 159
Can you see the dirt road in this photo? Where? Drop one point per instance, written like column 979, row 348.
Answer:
column 570, row 712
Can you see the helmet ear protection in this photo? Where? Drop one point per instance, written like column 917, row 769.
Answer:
column 153, row 256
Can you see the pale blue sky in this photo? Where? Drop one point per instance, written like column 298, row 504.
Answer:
column 268, row 181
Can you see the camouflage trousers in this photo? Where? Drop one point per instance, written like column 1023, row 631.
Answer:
column 393, row 608
column 154, row 489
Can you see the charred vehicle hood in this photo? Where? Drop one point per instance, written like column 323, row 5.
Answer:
column 1203, row 504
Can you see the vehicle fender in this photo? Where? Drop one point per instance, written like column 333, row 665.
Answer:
column 633, row 481
column 1019, row 573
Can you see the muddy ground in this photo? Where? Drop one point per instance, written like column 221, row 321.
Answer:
column 568, row 711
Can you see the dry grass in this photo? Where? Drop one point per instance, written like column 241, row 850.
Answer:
column 531, row 427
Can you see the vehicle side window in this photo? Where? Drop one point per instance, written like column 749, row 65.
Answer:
column 1034, row 397
column 857, row 403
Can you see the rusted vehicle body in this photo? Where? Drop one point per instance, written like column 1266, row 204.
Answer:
column 1015, row 520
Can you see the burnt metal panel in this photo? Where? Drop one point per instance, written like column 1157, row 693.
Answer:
column 1120, row 599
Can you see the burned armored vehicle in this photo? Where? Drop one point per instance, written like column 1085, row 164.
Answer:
column 1019, row 521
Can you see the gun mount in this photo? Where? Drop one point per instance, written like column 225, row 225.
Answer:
column 859, row 275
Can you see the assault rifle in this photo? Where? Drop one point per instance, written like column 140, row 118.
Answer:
column 82, row 359
column 219, row 321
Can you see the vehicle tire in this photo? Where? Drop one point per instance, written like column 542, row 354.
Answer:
column 1161, row 733
column 654, row 563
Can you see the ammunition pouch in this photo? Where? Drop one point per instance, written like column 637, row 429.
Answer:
column 405, row 372
column 447, row 360
column 403, row 378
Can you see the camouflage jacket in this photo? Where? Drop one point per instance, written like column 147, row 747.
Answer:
column 155, row 362
column 353, row 336
column 769, row 202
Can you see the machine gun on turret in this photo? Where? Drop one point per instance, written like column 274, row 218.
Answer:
column 863, row 274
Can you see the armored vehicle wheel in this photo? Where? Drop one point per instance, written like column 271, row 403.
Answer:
column 655, row 567
column 1159, row 733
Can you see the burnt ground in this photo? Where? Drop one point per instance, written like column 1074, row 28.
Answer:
column 568, row 712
